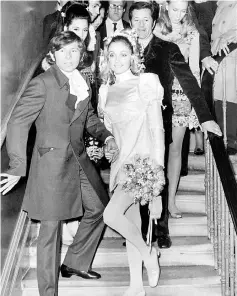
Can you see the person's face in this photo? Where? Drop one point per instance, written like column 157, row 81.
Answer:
column 119, row 55
column 80, row 27
column 142, row 22
column 94, row 9
column 97, row 22
column 68, row 57
column 177, row 10
column 116, row 10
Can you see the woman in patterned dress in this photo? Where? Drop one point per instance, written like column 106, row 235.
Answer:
column 175, row 24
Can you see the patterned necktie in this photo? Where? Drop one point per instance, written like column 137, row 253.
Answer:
column 115, row 26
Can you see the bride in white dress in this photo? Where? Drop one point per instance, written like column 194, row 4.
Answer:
column 130, row 105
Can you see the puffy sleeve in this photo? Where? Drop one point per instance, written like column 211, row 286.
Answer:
column 103, row 92
column 152, row 95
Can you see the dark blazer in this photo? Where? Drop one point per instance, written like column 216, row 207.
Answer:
column 203, row 14
column 103, row 32
column 50, row 24
column 165, row 59
column 53, row 188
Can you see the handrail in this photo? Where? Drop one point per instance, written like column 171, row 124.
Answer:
column 26, row 79
column 219, row 151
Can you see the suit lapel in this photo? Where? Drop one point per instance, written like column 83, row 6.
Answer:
column 62, row 81
column 80, row 108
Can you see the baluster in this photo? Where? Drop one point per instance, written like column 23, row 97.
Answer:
column 227, row 250
column 207, row 184
column 211, row 180
column 219, row 223
column 215, row 223
column 222, row 242
column 235, row 234
column 232, row 259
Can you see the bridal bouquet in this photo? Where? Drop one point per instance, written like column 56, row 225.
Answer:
column 145, row 179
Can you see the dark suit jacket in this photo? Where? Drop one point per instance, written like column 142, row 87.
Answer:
column 203, row 15
column 165, row 59
column 103, row 32
column 50, row 24
column 53, row 188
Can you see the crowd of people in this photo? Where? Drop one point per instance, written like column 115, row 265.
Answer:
column 111, row 91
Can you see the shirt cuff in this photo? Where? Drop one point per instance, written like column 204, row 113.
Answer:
column 108, row 138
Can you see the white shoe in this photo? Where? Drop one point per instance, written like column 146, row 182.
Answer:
column 153, row 268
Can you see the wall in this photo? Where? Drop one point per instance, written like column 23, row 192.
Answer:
column 21, row 42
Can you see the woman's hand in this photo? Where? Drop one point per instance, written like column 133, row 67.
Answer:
column 155, row 207
column 10, row 181
column 210, row 65
column 111, row 150
column 219, row 45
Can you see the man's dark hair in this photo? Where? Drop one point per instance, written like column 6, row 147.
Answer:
column 152, row 6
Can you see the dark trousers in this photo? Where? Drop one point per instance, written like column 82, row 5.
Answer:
column 185, row 151
column 80, row 253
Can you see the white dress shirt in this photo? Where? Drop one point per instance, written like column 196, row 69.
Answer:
column 110, row 26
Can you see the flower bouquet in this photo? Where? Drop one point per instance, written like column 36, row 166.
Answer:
column 144, row 181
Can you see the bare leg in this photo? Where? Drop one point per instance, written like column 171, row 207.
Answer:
column 174, row 166
column 114, row 216
column 134, row 256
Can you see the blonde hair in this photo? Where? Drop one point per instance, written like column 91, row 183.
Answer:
column 164, row 23
column 131, row 41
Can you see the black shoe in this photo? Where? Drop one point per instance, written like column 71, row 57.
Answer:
column 231, row 151
column 164, row 241
column 89, row 275
column 184, row 172
column 198, row 151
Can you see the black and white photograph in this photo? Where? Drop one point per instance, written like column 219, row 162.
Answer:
column 118, row 148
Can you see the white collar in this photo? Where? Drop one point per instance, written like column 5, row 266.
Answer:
column 111, row 22
column 78, row 85
column 124, row 76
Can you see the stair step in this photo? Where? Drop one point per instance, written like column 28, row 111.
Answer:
column 184, row 251
column 188, row 203
column 174, row 281
column 196, row 162
column 191, row 224
column 192, row 182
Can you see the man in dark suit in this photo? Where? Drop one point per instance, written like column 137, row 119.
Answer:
column 165, row 59
column 113, row 22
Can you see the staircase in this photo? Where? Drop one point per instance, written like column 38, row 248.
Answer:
column 187, row 268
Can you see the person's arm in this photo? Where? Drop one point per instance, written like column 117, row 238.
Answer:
column 205, row 51
column 23, row 115
column 98, row 130
column 152, row 94
column 194, row 55
column 205, row 48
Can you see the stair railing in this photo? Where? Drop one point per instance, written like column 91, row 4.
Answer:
column 221, row 202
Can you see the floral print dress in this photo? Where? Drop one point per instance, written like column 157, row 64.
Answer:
column 184, row 115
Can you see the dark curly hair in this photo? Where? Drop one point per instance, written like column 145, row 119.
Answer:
column 62, row 39
column 76, row 11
